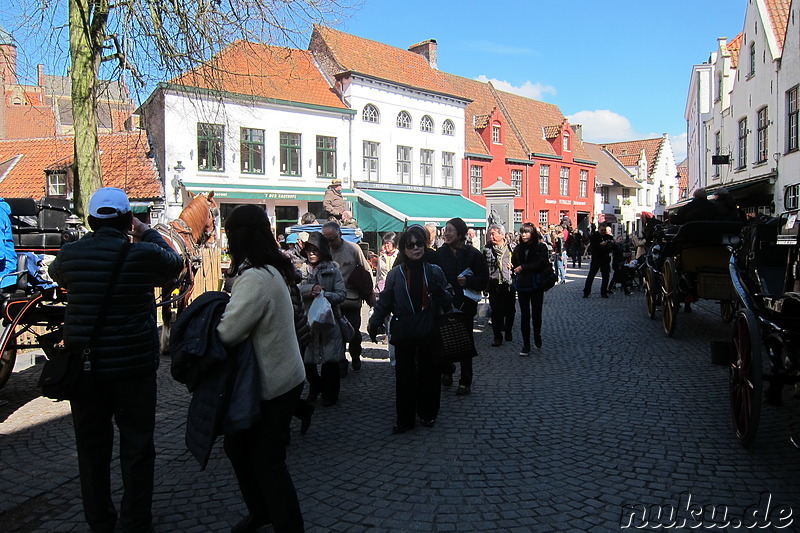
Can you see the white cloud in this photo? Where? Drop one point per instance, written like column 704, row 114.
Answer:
column 678, row 146
column 603, row 125
column 527, row 89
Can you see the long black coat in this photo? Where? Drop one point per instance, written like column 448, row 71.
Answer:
column 454, row 264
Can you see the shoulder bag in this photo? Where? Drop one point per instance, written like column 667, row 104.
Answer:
column 67, row 374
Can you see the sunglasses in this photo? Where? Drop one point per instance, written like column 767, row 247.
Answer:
column 415, row 244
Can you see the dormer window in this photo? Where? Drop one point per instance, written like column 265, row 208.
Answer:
column 495, row 133
column 404, row 120
column 57, row 183
column 565, row 142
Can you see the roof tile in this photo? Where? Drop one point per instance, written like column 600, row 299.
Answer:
column 628, row 152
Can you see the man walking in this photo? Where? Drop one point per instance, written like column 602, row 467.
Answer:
column 502, row 298
column 600, row 242
column 125, row 355
column 349, row 257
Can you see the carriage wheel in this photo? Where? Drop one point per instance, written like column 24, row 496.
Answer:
column 727, row 309
column 8, row 356
column 650, row 292
column 669, row 300
column 745, row 377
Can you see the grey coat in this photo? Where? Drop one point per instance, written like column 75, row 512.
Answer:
column 326, row 346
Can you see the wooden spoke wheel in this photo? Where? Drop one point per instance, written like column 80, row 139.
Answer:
column 727, row 309
column 651, row 291
column 745, row 377
column 8, row 356
column 669, row 299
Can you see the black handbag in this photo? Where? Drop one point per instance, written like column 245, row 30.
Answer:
column 455, row 336
column 67, row 374
column 410, row 329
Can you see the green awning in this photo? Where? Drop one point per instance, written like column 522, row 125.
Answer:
column 394, row 211
column 238, row 191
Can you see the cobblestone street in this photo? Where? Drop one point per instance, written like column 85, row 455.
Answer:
column 609, row 420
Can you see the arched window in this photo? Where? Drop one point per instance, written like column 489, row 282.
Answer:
column 448, row 128
column 404, row 120
column 426, row 124
column 370, row 114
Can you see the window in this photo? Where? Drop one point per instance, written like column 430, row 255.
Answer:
column 210, row 146
column 717, row 145
column 792, row 122
column 516, row 181
column 565, row 142
column 426, row 124
column 290, row 154
column 544, row 179
column 371, row 160
column 447, row 168
column 370, row 114
column 404, row 164
column 476, row 179
column 426, row 166
column 56, row 184
column 604, row 194
column 719, row 86
column 583, row 191
column 761, row 135
column 517, row 217
column 326, row 157
column 742, row 160
column 626, row 193
column 564, row 181
column 448, row 128
column 790, row 197
column 543, row 218
column 647, row 196
column 252, row 151
column 404, row 120
column 752, row 60
column 495, row 134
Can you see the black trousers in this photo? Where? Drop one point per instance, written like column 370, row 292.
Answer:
column 325, row 382
column 131, row 404
column 503, row 301
column 530, row 310
column 258, row 457
column 417, row 383
column 605, row 269
column 466, row 364
column 353, row 316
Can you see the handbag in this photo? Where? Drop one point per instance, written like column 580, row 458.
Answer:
column 347, row 329
column 320, row 313
column 546, row 280
column 410, row 329
column 67, row 374
column 455, row 335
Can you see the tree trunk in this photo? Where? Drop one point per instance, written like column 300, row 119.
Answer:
column 87, row 21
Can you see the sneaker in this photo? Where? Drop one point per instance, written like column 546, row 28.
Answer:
column 447, row 380
column 463, row 390
column 525, row 351
column 427, row 423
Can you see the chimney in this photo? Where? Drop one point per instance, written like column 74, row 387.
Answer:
column 8, row 62
column 426, row 49
column 40, row 75
column 577, row 129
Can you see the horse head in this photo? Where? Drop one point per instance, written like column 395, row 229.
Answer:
column 201, row 217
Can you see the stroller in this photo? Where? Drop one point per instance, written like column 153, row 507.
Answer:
column 628, row 275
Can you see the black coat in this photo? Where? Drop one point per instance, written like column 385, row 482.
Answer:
column 454, row 264
column 534, row 258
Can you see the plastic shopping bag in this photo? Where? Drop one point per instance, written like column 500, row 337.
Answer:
column 320, row 314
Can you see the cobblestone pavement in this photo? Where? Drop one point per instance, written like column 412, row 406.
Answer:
column 609, row 419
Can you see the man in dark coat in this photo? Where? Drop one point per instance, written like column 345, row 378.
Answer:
column 333, row 202
column 600, row 242
column 125, row 355
column 698, row 208
column 464, row 267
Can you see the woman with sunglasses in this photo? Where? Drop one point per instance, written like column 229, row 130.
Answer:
column 415, row 293
column 529, row 258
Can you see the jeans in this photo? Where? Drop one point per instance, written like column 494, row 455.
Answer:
column 530, row 308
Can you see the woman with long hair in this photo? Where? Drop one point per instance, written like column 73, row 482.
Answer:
column 260, row 309
column 415, row 293
column 529, row 258
column 326, row 350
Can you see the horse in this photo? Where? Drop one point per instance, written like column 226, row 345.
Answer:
column 194, row 228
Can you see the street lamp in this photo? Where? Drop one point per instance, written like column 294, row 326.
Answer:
column 176, row 179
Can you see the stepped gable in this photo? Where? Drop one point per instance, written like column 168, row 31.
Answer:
column 609, row 169
column 263, row 71
column 778, row 12
column 628, row 152
column 123, row 158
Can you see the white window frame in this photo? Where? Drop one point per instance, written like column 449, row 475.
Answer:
column 544, row 179
column 426, row 166
column 448, row 128
column 426, row 124
column 741, row 156
column 371, row 114
column 404, row 164
column 544, row 218
column 516, row 180
column 476, row 179
column 404, row 120
column 448, row 170
column 496, row 134
column 563, row 181
column 371, row 153
column 583, row 189
column 762, row 141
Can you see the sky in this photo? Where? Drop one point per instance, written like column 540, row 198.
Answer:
column 621, row 68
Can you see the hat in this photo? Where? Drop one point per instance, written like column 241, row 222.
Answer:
column 336, row 181
column 291, row 238
column 459, row 225
column 109, row 202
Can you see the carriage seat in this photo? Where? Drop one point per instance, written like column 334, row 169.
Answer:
column 25, row 228
column 707, row 232
column 787, row 305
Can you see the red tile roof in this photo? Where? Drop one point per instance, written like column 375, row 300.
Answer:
column 23, row 122
column 734, row 46
column 609, row 172
column 778, row 11
column 264, row 71
column 123, row 157
column 628, row 152
column 379, row 60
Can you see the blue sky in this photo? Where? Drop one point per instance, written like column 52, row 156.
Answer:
column 620, row 67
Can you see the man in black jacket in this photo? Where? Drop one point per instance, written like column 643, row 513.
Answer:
column 455, row 258
column 125, row 355
column 601, row 242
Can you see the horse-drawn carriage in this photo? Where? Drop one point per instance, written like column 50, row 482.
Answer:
column 765, row 272
column 689, row 262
